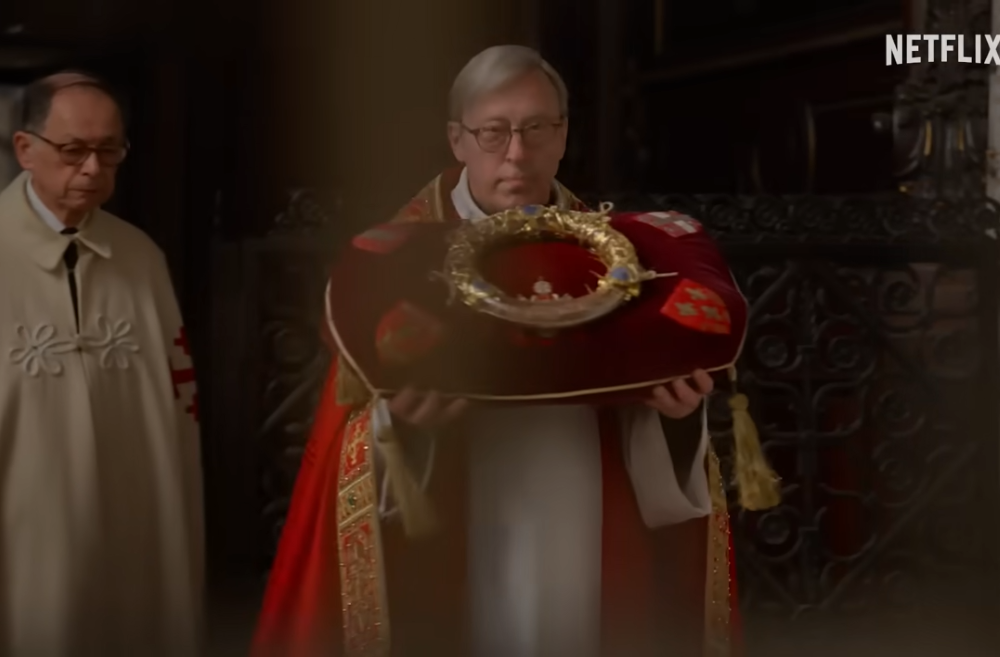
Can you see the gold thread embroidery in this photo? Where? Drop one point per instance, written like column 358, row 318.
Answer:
column 362, row 575
column 718, row 589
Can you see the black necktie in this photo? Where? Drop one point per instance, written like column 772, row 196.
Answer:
column 70, row 257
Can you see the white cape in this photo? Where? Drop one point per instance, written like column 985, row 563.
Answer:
column 101, row 550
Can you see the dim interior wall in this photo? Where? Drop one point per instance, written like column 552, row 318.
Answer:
column 993, row 117
column 993, row 148
column 363, row 92
column 9, row 97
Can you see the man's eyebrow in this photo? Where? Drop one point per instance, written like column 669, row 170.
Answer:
column 534, row 118
column 103, row 141
column 495, row 119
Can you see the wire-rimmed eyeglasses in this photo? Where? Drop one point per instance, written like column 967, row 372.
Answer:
column 74, row 153
column 495, row 138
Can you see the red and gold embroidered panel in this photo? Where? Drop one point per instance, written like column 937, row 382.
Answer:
column 362, row 573
column 718, row 589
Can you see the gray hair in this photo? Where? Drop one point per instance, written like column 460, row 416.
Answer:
column 495, row 67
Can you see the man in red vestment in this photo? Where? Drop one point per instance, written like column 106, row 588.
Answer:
column 565, row 530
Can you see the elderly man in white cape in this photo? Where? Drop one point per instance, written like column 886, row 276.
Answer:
column 100, row 486
column 568, row 531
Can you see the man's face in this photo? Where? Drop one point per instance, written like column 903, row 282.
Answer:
column 518, row 171
column 81, row 118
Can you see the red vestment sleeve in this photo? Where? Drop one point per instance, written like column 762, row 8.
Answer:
column 301, row 614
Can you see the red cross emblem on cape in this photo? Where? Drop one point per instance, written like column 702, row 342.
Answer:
column 184, row 375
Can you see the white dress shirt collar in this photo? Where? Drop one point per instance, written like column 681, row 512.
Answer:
column 466, row 207
column 48, row 216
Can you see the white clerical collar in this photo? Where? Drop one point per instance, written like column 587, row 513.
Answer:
column 48, row 216
column 466, row 207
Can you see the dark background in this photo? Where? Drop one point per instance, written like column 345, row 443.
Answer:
column 747, row 96
column 234, row 103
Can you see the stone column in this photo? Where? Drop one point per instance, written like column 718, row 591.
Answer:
column 993, row 140
column 940, row 122
column 993, row 118
column 364, row 91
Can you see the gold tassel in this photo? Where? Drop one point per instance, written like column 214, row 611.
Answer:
column 351, row 390
column 419, row 519
column 758, row 485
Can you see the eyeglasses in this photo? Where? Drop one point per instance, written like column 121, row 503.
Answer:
column 75, row 153
column 496, row 138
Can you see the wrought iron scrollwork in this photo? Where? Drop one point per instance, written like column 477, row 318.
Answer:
column 869, row 358
column 827, row 220
column 297, row 364
column 302, row 215
column 856, row 373
column 869, row 373
column 293, row 361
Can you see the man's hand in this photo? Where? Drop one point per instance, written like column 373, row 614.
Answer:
column 678, row 399
column 425, row 410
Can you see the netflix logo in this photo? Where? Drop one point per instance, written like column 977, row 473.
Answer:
column 931, row 48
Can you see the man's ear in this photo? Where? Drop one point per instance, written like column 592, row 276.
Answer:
column 22, row 143
column 455, row 140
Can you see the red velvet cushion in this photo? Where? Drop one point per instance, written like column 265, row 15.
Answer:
column 392, row 320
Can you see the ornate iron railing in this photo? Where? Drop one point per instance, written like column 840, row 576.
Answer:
column 871, row 364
